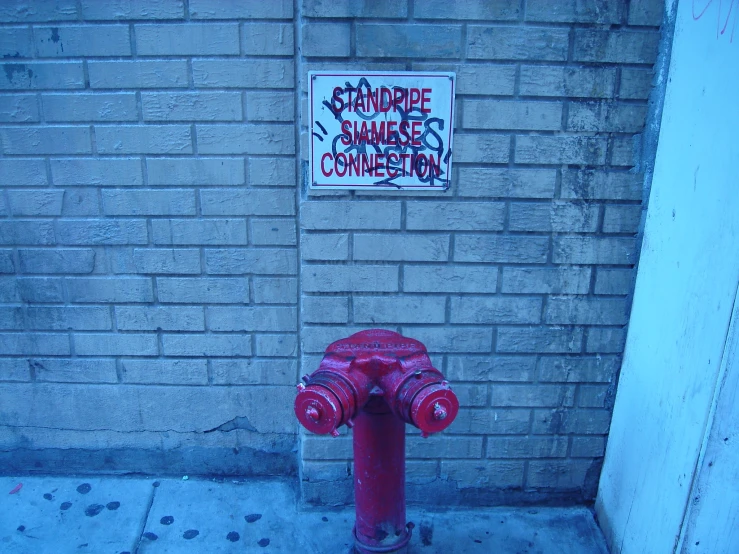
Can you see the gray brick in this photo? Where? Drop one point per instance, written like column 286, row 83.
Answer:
column 316, row 339
column 606, row 117
column 574, row 11
column 18, row 108
column 478, row 474
column 22, row 11
column 636, row 84
column 243, row 73
column 11, row 319
column 445, row 278
column 19, row 232
column 199, row 231
column 7, row 265
column 325, row 309
column 35, row 202
column 501, row 249
column 499, row 10
column 408, row 41
column 270, row 106
column 34, row 289
column 472, row 395
column 246, row 139
column 511, row 114
column 22, row 173
column 256, row 261
column 154, row 318
column 501, row 421
column 10, row 289
column 452, row 339
column 90, row 107
column 45, row 140
column 539, row 339
column 44, row 260
column 42, row 75
column 169, row 372
column 73, row 41
column 80, row 202
column 527, row 447
column 36, row 344
column 621, row 218
column 581, row 82
column 166, row 260
column 322, row 472
column 493, row 368
column 106, row 289
column 588, row 447
column 14, row 369
column 621, row 46
column 114, row 344
column 602, row 185
column 401, row 247
column 350, row 278
column 15, row 42
column 469, row 148
column 553, row 216
column 605, row 340
column 144, row 139
column 580, row 422
column 200, row 290
column 241, row 9
column 101, row 231
column 74, row 370
column 559, row 280
column 278, row 172
column 625, row 150
column 565, row 474
column 268, row 39
column 346, row 215
column 350, row 8
column 254, row 372
column 253, row 318
column 499, row 80
column 560, row 150
column 647, row 13
column 206, row 345
column 557, row 369
column 135, row 74
column 195, row 171
column 276, row 345
column 455, row 216
column 495, row 310
column 516, row 43
column 332, row 246
column 594, row 250
column 440, row 446
column 96, row 172
column 515, row 183
column 275, row 290
column 247, row 202
column 317, row 447
column 277, row 232
column 148, row 202
column 69, row 317
column 189, row 106
column 399, row 309
column 92, row 10
column 570, row 310
column 192, row 39
column 613, row 281
column 592, row 396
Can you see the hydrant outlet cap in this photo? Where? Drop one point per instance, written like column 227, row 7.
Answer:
column 318, row 409
column 434, row 408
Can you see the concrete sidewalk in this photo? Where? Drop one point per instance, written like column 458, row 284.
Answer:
column 147, row 516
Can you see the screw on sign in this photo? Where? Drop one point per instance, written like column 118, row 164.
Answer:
column 376, row 381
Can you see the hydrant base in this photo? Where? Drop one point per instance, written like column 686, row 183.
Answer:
column 400, row 547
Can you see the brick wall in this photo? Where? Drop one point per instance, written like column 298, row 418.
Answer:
column 517, row 279
column 156, row 297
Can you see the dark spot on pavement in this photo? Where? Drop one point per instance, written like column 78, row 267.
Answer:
column 233, row 536
column 83, row 545
column 427, row 534
column 151, row 536
column 478, row 541
column 49, row 496
column 113, row 505
column 21, row 528
column 65, row 506
column 324, row 518
column 167, row 520
column 155, row 484
column 190, row 534
column 263, row 542
column 84, row 488
column 251, row 518
column 93, row 509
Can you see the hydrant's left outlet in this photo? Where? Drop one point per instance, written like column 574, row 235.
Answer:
column 376, row 381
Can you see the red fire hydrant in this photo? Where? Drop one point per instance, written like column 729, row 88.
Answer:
column 375, row 382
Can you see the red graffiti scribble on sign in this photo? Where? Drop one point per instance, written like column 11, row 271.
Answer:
column 720, row 18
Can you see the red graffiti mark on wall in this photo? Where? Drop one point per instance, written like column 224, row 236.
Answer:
column 700, row 8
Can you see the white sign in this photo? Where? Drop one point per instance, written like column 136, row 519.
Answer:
column 375, row 130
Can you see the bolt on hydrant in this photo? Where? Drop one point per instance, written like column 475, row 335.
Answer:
column 375, row 382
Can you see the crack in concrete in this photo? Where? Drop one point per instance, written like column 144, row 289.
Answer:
column 145, row 519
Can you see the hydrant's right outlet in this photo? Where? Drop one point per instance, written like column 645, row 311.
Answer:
column 376, row 381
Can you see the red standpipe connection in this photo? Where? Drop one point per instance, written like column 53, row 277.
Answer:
column 375, row 382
